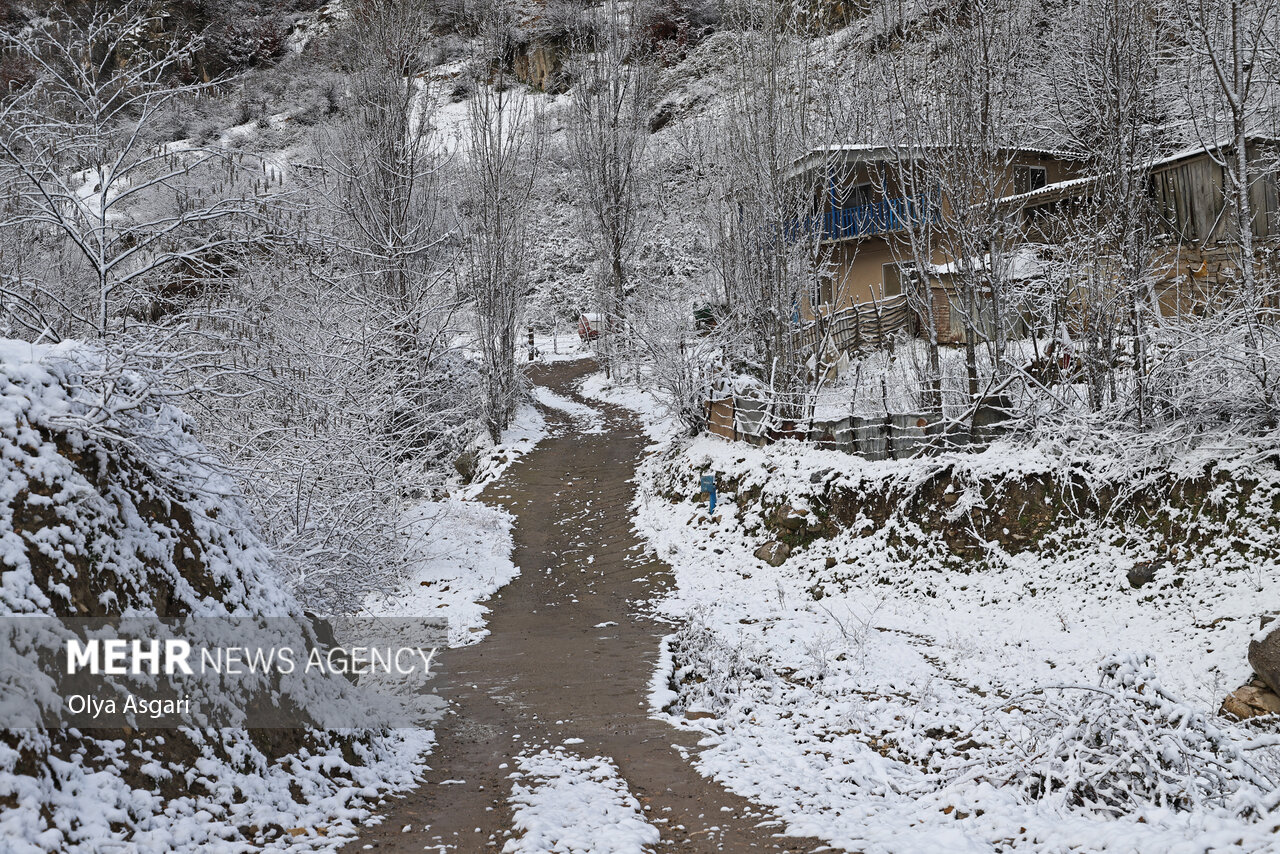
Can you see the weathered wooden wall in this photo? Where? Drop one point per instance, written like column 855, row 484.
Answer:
column 1191, row 196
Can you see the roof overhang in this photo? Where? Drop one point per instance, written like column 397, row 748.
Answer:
column 1080, row 187
column 830, row 157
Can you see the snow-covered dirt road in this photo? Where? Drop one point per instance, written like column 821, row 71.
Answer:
column 549, row 744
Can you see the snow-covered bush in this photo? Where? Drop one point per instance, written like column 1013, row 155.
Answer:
column 111, row 501
column 112, row 505
column 1125, row 744
column 708, row 674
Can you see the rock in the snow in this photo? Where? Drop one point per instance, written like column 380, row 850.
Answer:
column 773, row 553
column 540, row 65
column 791, row 519
column 1144, row 572
column 1264, row 655
column 1251, row 701
column 465, row 464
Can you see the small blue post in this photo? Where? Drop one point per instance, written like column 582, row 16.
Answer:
column 708, row 484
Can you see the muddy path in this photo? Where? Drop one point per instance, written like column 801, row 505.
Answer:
column 569, row 656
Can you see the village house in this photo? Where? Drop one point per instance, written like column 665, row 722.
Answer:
column 1195, row 250
column 871, row 205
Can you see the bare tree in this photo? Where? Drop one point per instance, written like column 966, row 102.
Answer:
column 501, row 159
column 141, row 221
column 1233, row 41
column 950, row 124
column 1229, row 88
column 607, row 138
column 768, row 249
column 974, row 163
column 389, row 160
column 1110, row 106
column 899, row 86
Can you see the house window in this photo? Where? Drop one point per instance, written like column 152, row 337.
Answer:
column 1028, row 178
column 896, row 275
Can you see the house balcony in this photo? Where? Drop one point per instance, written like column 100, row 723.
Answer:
column 882, row 217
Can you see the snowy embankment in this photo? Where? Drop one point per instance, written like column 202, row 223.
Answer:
column 945, row 662
column 653, row 415
column 112, row 506
column 462, row 547
column 462, row 557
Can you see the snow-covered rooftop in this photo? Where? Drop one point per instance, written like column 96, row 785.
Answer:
column 871, row 153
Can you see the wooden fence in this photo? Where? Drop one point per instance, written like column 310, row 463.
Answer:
column 867, row 324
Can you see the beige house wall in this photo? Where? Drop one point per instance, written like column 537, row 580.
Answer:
column 857, row 270
column 858, row 276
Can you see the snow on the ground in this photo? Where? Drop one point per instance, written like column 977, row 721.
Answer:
column 527, row 429
column 463, row 557
column 462, row 546
column 559, row 347
column 566, row 804
column 658, row 425
column 878, row 697
column 588, row 419
column 308, row 801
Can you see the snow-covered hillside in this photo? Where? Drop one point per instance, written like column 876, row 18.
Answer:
column 112, row 506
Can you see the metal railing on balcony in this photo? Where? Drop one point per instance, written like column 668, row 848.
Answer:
column 882, row 217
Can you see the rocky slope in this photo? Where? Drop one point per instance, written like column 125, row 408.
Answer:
column 113, row 507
